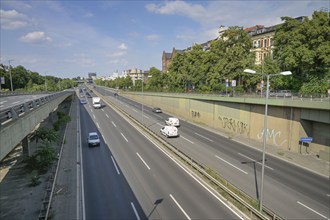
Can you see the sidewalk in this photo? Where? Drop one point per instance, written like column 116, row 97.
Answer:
column 64, row 202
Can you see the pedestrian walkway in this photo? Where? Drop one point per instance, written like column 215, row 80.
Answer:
column 64, row 202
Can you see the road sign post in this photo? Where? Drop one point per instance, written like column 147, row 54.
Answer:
column 305, row 140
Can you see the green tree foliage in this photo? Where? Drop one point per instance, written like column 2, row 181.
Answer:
column 304, row 48
column 27, row 80
column 45, row 135
column 156, row 80
column 62, row 120
column 207, row 70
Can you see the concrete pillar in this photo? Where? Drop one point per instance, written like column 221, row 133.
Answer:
column 26, row 147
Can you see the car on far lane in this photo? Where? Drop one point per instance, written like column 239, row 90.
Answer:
column 83, row 101
column 157, row 110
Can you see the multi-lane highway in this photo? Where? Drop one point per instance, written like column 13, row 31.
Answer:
column 7, row 102
column 130, row 177
column 290, row 191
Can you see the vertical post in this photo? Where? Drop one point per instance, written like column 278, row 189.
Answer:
column 142, row 77
column 45, row 82
column 264, row 144
column 11, row 80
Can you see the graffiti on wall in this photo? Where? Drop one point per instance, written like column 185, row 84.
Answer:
column 195, row 114
column 234, row 125
column 272, row 135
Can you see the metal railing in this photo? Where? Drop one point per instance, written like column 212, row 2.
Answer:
column 12, row 113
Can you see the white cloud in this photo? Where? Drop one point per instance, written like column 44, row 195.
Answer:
column 88, row 15
column 178, row 7
column 122, row 46
column 152, row 37
column 12, row 19
column 118, row 54
column 36, row 37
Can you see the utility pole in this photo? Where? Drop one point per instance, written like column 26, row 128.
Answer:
column 11, row 80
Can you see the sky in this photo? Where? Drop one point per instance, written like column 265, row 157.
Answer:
column 68, row 39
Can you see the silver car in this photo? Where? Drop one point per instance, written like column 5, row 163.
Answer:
column 93, row 139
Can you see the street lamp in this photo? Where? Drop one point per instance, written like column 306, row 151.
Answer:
column 11, row 80
column 285, row 73
column 142, row 79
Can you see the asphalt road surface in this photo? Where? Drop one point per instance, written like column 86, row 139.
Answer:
column 129, row 177
column 289, row 190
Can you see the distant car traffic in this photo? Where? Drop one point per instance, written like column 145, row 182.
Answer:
column 93, row 139
column 157, row 110
column 83, row 101
column 172, row 121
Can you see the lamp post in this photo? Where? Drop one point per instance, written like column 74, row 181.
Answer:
column 142, row 78
column 11, row 80
column 285, row 73
column 45, row 82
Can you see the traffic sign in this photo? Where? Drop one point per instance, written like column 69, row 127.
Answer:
column 306, row 139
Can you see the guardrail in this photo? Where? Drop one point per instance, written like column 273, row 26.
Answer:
column 13, row 113
column 232, row 193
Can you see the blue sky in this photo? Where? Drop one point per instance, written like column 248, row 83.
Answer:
column 72, row 38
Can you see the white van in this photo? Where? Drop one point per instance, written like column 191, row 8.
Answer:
column 169, row 131
column 172, row 121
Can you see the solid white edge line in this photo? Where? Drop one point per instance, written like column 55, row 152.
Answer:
column 80, row 158
column 255, row 161
column 143, row 160
column 136, row 213
column 187, row 139
column 231, row 164
column 124, row 137
column 114, row 163
column 182, row 210
column 311, row 209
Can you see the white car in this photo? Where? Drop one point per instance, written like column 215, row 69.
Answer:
column 93, row 139
column 172, row 121
column 169, row 131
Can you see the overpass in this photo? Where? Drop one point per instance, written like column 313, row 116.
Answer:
column 18, row 121
column 289, row 119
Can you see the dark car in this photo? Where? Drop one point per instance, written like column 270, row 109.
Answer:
column 157, row 110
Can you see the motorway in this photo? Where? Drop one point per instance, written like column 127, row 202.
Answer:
column 11, row 101
column 290, row 191
column 130, row 177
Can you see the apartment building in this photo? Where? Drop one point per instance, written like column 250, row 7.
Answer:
column 262, row 38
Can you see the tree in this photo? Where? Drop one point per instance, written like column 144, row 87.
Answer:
column 234, row 53
column 156, row 81
column 44, row 134
column 304, row 48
